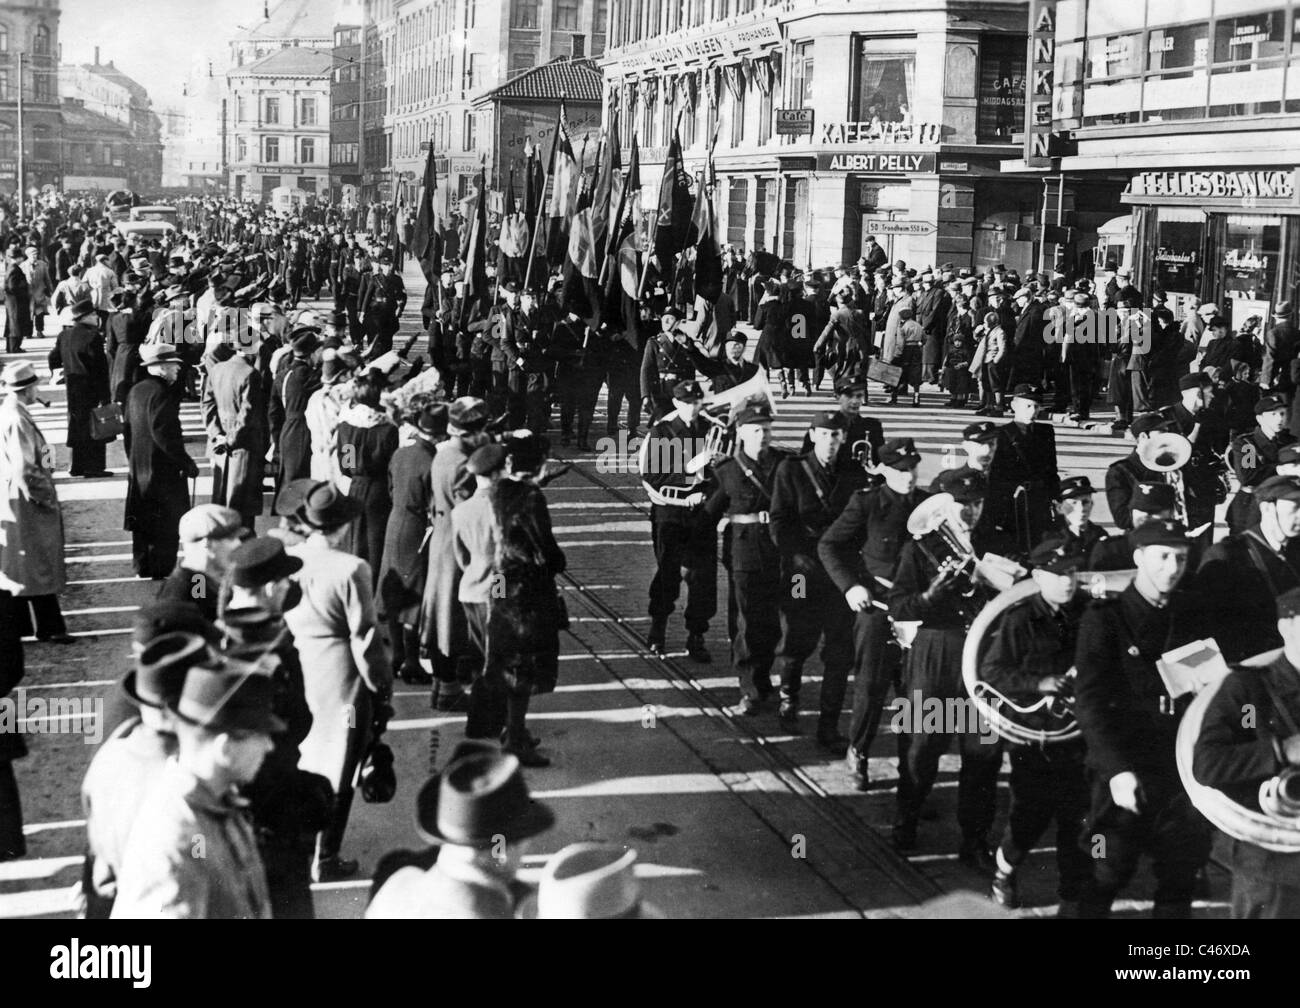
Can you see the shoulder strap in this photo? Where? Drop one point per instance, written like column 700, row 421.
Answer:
column 816, row 483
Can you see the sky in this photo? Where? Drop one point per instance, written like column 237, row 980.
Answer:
column 154, row 41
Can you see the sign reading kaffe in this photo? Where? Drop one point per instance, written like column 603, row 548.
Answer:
column 878, row 163
column 1236, row 186
column 881, row 132
column 1042, row 57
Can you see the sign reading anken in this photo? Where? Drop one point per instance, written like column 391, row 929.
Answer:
column 1042, row 58
column 794, row 122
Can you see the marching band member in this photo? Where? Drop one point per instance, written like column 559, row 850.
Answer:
column 743, row 493
column 860, row 551
column 1074, row 508
column 1253, row 458
column 1247, row 572
column 685, row 541
column 807, row 497
column 852, row 394
column 1150, row 502
column 932, row 595
column 1192, row 418
column 1124, row 475
column 1029, row 659
column 1129, row 724
column 1237, row 755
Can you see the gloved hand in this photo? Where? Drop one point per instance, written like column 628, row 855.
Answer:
column 1126, row 791
column 859, row 598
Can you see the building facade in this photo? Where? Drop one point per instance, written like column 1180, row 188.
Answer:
column 277, row 123
column 32, row 30
column 440, row 57
column 378, row 30
column 345, row 115
column 96, row 150
column 836, row 121
column 104, row 90
column 1189, row 111
column 297, row 24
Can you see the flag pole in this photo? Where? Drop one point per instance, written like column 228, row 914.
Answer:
column 537, row 227
column 650, row 235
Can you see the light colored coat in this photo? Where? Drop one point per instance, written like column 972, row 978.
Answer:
column 474, row 526
column 31, row 523
column 323, row 410
column 343, row 657
column 164, row 873
column 436, row 894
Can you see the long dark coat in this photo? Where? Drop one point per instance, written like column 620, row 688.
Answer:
column 404, row 568
column 294, row 387
column 123, row 349
column 79, row 351
column 365, row 441
column 18, row 308
column 156, row 488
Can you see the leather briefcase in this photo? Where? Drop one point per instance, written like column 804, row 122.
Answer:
column 886, row 374
column 106, row 422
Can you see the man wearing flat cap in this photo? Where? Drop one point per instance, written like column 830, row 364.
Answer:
column 224, row 727
column 1253, row 458
column 158, row 466
column 808, row 495
column 1246, row 572
column 1130, row 722
column 684, row 535
column 1238, row 756
column 1029, row 661
column 860, row 552
column 209, row 534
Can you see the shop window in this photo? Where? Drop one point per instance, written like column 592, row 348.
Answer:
column 794, row 225
column 1254, row 38
column 1250, row 252
column 737, row 211
column 1181, row 55
column 1177, row 263
column 738, row 119
column 1110, row 17
column 1001, row 88
column 1114, row 55
column 886, row 88
column 1248, row 67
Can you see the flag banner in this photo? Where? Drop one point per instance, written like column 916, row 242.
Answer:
column 673, row 219
column 427, row 238
column 476, row 279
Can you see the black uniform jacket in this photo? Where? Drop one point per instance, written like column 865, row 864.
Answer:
column 1243, row 577
column 1129, row 722
column 743, row 486
column 673, row 443
column 867, row 539
column 1024, row 455
column 806, row 499
column 1031, row 641
column 861, row 428
column 1122, row 478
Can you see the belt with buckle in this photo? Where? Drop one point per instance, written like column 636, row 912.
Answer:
column 753, row 518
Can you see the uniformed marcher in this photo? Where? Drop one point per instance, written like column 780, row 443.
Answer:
column 860, row 552
column 1023, row 478
column 731, row 369
column 979, row 444
column 808, row 496
column 1247, row 572
column 1130, row 722
column 863, row 435
column 79, row 351
column 1239, row 755
column 1074, row 507
column 743, row 494
column 945, row 603
column 1028, row 660
column 158, row 466
column 379, row 306
column 684, row 536
column 1253, row 458
column 1150, row 502
column 1192, row 418
column 667, row 360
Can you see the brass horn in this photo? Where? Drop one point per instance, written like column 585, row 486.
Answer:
column 1167, row 452
column 936, row 525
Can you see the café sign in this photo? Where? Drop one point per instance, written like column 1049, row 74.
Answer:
column 878, row 132
column 1239, row 186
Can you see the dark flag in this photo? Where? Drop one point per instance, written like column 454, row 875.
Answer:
column 427, row 239
column 476, row 278
column 708, row 253
column 673, row 221
column 581, row 292
column 565, row 176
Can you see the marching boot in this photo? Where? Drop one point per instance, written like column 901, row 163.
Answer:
column 697, row 650
column 1005, row 890
column 975, row 854
column 788, row 712
column 829, row 737
column 655, row 638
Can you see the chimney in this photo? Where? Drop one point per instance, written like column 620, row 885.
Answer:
column 96, row 55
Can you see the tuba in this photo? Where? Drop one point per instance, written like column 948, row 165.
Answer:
column 1277, row 827
column 1167, row 452
column 1044, row 721
column 941, row 535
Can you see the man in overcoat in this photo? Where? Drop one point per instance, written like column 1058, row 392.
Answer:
column 79, row 351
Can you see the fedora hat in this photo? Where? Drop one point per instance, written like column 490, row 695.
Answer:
column 83, row 306
column 260, row 561
column 325, row 509
column 477, row 798
column 228, row 695
column 590, row 881
column 159, row 353
column 18, row 374
column 161, row 667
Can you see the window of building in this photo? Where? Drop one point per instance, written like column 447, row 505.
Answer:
column 307, row 184
column 42, row 85
column 521, row 60
column 737, row 211
column 738, row 119
column 1248, row 68
column 41, row 41
column 600, row 16
column 307, row 150
column 271, row 149
column 764, row 117
column 241, row 109
column 794, row 223
column 1114, row 55
column 474, row 64
column 241, row 149
column 272, row 110
column 1179, row 55
column 1001, row 107
column 801, row 76
column 470, row 131
column 566, row 15
column 1112, row 17
column 307, row 110
column 4, row 85
column 525, row 14
column 4, row 39
column 886, row 87
column 43, row 148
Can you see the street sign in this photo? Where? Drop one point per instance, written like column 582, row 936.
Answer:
column 794, row 122
column 916, row 229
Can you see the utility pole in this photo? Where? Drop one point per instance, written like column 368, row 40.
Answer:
column 22, row 194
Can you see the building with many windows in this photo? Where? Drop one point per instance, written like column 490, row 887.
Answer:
column 104, row 90
column 378, row 28
column 345, row 113
column 96, row 154
column 277, row 123
column 836, row 120
column 32, row 30
column 1189, row 110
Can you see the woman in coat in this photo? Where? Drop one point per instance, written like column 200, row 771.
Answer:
column 346, row 670
column 404, row 569
column 123, row 346
column 907, row 347
column 324, row 408
column 295, row 383
column 991, row 361
column 365, row 442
